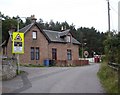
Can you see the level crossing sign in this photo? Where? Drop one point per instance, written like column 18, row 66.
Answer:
column 18, row 43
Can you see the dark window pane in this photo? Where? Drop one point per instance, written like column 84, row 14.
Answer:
column 69, row 54
column 32, row 53
column 54, row 54
column 37, row 53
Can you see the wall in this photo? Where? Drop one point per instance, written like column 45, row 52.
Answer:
column 62, row 51
column 40, row 42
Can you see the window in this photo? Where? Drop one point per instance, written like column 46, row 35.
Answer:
column 54, row 54
column 37, row 53
column 68, row 38
column 32, row 53
column 34, row 35
column 69, row 54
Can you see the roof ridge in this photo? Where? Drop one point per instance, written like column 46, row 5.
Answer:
column 51, row 31
column 29, row 25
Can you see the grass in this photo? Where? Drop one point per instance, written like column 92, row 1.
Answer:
column 21, row 72
column 108, row 78
column 31, row 65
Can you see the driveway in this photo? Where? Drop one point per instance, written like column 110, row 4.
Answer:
column 56, row 80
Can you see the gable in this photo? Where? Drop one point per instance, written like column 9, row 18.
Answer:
column 51, row 36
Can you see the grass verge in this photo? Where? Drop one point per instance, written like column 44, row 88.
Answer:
column 108, row 78
column 31, row 65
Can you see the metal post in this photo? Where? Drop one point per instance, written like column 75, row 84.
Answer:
column 82, row 50
column 18, row 60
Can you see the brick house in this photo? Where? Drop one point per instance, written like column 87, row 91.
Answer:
column 46, row 44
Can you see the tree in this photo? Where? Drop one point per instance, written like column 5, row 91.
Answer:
column 112, row 50
column 7, row 24
column 41, row 23
column 92, row 37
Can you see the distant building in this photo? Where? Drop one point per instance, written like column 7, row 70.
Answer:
column 46, row 44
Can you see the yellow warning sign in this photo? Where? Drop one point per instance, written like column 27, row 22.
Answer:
column 18, row 38
column 18, row 43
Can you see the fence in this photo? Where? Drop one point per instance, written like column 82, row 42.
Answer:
column 114, row 66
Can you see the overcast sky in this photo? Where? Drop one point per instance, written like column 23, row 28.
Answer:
column 85, row 13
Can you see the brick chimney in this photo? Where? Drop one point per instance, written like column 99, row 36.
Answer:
column 33, row 19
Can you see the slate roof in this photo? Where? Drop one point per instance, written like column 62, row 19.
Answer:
column 56, row 36
column 51, row 36
column 26, row 28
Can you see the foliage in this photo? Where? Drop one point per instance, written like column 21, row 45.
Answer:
column 112, row 48
column 108, row 78
column 32, row 65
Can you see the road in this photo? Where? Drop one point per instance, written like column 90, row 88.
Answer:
column 56, row 80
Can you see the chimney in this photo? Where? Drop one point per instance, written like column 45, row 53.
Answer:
column 33, row 19
column 63, row 28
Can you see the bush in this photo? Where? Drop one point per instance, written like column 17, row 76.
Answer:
column 108, row 78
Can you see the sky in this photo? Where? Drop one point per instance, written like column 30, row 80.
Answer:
column 82, row 13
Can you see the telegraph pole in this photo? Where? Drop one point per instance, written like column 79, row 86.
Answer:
column 108, row 18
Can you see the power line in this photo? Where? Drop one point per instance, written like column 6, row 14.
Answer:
column 114, row 9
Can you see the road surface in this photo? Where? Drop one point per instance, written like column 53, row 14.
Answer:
column 56, row 80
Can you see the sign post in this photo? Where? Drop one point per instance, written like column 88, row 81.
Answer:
column 18, row 46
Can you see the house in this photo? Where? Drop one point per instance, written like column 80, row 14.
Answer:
column 46, row 44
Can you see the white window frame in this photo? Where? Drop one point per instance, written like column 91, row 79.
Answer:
column 34, row 34
column 68, row 38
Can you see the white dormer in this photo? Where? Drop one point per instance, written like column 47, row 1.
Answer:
column 68, row 38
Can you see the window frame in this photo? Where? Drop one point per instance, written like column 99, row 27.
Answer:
column 69, row 54
column 54, row 54
column 37, row 53
column 68, row 38
column 32, row 53
column 34, row 36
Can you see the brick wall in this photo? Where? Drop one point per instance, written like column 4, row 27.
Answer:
column 62, row 51
column 44, row 47
column 40, row 42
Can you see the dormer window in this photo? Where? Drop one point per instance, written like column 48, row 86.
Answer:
column 34, row 35
column 68, row 38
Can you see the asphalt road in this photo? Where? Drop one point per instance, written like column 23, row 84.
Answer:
column 56, row 80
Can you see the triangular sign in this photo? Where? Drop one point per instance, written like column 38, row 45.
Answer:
column 18, row 37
